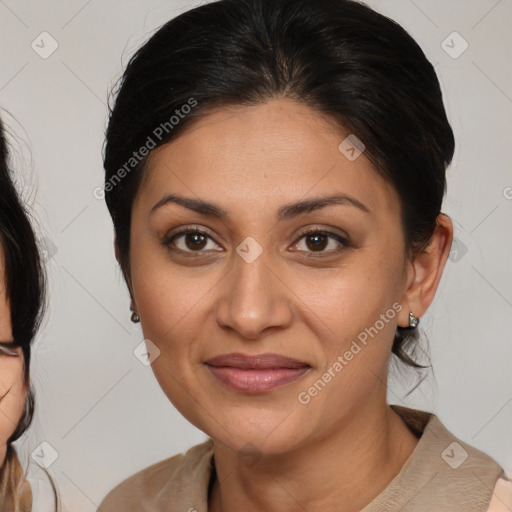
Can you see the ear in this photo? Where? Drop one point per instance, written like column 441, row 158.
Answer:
column 425, row 271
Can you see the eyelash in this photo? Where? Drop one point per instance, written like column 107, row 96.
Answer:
column 345, row 244
column 5, row 349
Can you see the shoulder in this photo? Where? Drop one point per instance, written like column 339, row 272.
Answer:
column 502, row 496
column 139, row 491
column 451, row 474
column 141, row 485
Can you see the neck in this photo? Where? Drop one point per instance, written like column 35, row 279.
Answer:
column 345, row 470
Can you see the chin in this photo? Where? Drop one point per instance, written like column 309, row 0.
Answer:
column 272, row 435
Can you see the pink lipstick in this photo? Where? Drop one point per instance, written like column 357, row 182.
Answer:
column 256, row 374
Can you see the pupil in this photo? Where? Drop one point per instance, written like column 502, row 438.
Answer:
column 197, row 242
column 318, row 243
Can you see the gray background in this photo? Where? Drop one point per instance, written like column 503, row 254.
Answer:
column 98, row 407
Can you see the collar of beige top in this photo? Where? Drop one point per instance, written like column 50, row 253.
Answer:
column 443, row 474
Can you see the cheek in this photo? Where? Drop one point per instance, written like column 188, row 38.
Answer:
column 353, row 297
column 169, row 306
column 170, row 302
column 3, row 449
column 14, row 392
column 11, row 411
column 167, row 301
column 359, row 307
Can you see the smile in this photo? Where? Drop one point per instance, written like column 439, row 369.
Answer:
column 256, row 380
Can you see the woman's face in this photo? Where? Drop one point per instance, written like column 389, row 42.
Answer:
column 253, row 284
column 12, row 386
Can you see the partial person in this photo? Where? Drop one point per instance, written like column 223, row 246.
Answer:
column 22, row 304
column 275, row 172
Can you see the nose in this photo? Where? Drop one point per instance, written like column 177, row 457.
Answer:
column 254, row 298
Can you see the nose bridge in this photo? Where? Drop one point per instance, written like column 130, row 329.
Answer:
column 254, row 297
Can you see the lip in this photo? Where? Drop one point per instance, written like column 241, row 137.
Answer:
column 256, row 374
column 257, row 362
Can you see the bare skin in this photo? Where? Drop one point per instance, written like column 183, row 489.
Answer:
column 342, row 448
column 12, row 386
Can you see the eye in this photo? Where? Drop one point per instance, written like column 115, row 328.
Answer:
column 189, row 240
column 192, row 240
column 317, row 240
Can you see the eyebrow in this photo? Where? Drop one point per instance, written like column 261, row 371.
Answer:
column 285, row 212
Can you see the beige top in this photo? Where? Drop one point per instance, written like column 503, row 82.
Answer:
column 443, row 474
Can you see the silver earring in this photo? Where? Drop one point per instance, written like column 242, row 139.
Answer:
column 135, row 318
column 413, row 321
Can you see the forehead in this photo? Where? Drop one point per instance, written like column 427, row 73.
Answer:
column 262, row 155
